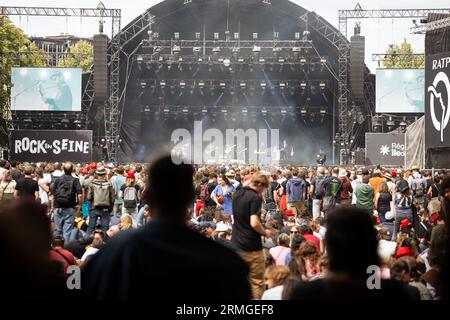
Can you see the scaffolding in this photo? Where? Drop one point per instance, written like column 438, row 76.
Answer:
column 111, row 106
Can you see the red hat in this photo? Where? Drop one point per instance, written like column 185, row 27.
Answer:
column 288, row 213
column 130, row 174
column 404, row 251
column 394, row 173
column 93, row 165
column 404, row 224
column 85, row 171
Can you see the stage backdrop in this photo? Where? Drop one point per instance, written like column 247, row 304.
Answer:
column 46, row 89
column 400, row 91
column 386, row 149
column 51, row 145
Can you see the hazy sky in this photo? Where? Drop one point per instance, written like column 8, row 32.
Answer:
column 379, row 32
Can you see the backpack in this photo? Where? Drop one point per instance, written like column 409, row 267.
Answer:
column 319, row 191
column 64, row 193
column 419, row 189
column 329, row 202
column 101, row 192
column 204, row 193
column 130, row 198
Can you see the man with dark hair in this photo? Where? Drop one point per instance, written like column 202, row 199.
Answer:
column 67, row 200
column 248, row 229
column 161, row 259
column 351, row 242
column 60, row 254
column 26, row 187
column 15, row 173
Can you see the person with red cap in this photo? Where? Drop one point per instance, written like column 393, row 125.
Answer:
column 130, row 194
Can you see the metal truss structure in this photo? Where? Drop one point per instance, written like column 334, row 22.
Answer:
column 360, row 13
column 318, row 24
column 434, row 25
column 229, row 60
column 397, row 57
column 344, row 51
column 111, row 107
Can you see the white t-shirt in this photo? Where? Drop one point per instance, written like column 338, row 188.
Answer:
column 273, row 293
column 386, row 249
column 89, row 252
column 354, row 184
column 42, row 194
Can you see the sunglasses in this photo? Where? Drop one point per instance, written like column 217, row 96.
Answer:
column 294, row 232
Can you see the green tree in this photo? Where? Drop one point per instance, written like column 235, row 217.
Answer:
column 82, row 56
column 399, row 57
column 15, row 50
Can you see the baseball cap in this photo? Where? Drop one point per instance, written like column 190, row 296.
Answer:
column 321, row 170
column 130, row 174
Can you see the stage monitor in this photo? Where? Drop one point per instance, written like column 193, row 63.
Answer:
column 400, row 91
column 46, row 89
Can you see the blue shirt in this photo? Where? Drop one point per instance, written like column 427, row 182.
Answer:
column 227, row 202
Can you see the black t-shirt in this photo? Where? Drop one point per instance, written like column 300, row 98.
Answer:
column 283, row 184
column 211, row 187
column 246, row 202
column 27, row 187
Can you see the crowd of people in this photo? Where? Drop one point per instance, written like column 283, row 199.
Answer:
column 278, row 233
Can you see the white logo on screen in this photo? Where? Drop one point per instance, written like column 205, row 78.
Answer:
column 441, row 124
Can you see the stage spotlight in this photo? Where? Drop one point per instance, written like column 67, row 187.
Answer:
column 201, row 84
column 322, row 85
column 222, row 85
column 281, row 60
column 182, row 84
column 255, row 36
column 302, row 61
column 216, row 36
column 403, row 125
column 139, row 58
column 226, row 62
column 256, row 49
column 176, row 49
column 176, row 35
column 162, row 84
column 236, row 36
column 282, row 85
column 216, row 50
column 303, row 111
column 390, row 124
column 297, row 36
column 143, row 84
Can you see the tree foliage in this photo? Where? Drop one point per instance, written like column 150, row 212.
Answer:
column 15, row 50
column 398, row 60
column 83, row 56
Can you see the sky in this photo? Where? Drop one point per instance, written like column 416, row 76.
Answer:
column 379, row 33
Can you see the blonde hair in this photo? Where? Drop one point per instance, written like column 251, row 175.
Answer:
column 126, row 222
column 130, row 182
column 277, row 273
